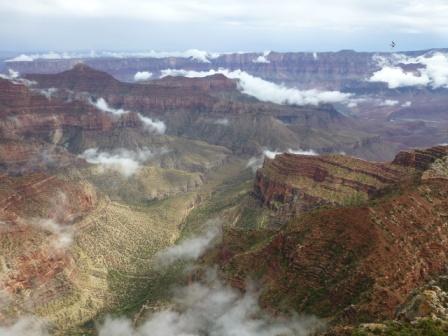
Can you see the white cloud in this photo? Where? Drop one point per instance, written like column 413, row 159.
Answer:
column 338, row 15
column 212, row 308
column 194, row 54
column 61, row 235
column 221, row 121
column 406, row 104
column 12, row 74
column 150, row 124
column 29, row 326
column 389, row 102
column 153, row 125
column 433, row 73
column 302, row 152
column 102, row 105
column 257, row 162
column 188, row 249
column 142, row 76
column 395, row 77
column 124, row 161
column 48, row 93
column 262, row 58
column 268, row 91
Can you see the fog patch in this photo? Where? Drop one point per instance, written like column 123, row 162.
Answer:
column 124, row 161
column 61, row 235
column 142, row 76
column 47, row 93
column 189, row 249
column 222, row 121
column 433, row 73
column 14, row 77
column 149, row 124
column 29, row 326
column 263, row 58
column 406, row 104
column 153, row 124
column 215, row 309
column 267, row 91
column 11, row 75
column 389, row 102
column 256, row 162
column 102, row 105
column 194, row 54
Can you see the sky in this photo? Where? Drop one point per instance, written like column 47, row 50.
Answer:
column 222, row 25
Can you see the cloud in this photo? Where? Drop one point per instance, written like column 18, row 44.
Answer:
column 338, row 15
column 48, row 93
column 389, row 102
column 268, row 91
column 11, row 75
column 257, row 162
column 124, row 161
column 433, row 73
column 150, row 124
column 221, row 121
column 406, row 104
column 188, row 249
column 29, row 326
column 194, row 54
column 262, row 58
column 215, row 309
column 153, row 125
column 142, row 76
column 302, row 152
column 102, row 105
column 61, row 235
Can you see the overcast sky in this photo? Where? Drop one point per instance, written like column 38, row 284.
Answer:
column 222, row 25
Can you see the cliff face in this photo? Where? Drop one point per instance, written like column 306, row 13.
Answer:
column 71, row 231
column 302, row 182
column 351, row 263
column 212, row 109
column 325, row 70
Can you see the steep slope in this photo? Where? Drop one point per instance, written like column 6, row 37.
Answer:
column 212, row 109
column 348, row 263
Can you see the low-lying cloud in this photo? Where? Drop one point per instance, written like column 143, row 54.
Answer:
column 267, row 91
column 194, row 54
column 153, row 125
column 188, row 249
column 149, row 124
column 389, row 102
column 122, row 160
column 61, row 234
column 29, row 326
column 222, row 121
column 142, row 76
column 433, row 71
column 215, row 309
column 262, row 58
column 257, row 162
column 12, row 74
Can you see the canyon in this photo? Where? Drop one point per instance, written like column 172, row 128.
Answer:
column 331, row 209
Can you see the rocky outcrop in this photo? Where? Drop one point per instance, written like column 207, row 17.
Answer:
column 353, row 264
column 420, row 159
column 298, row 183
